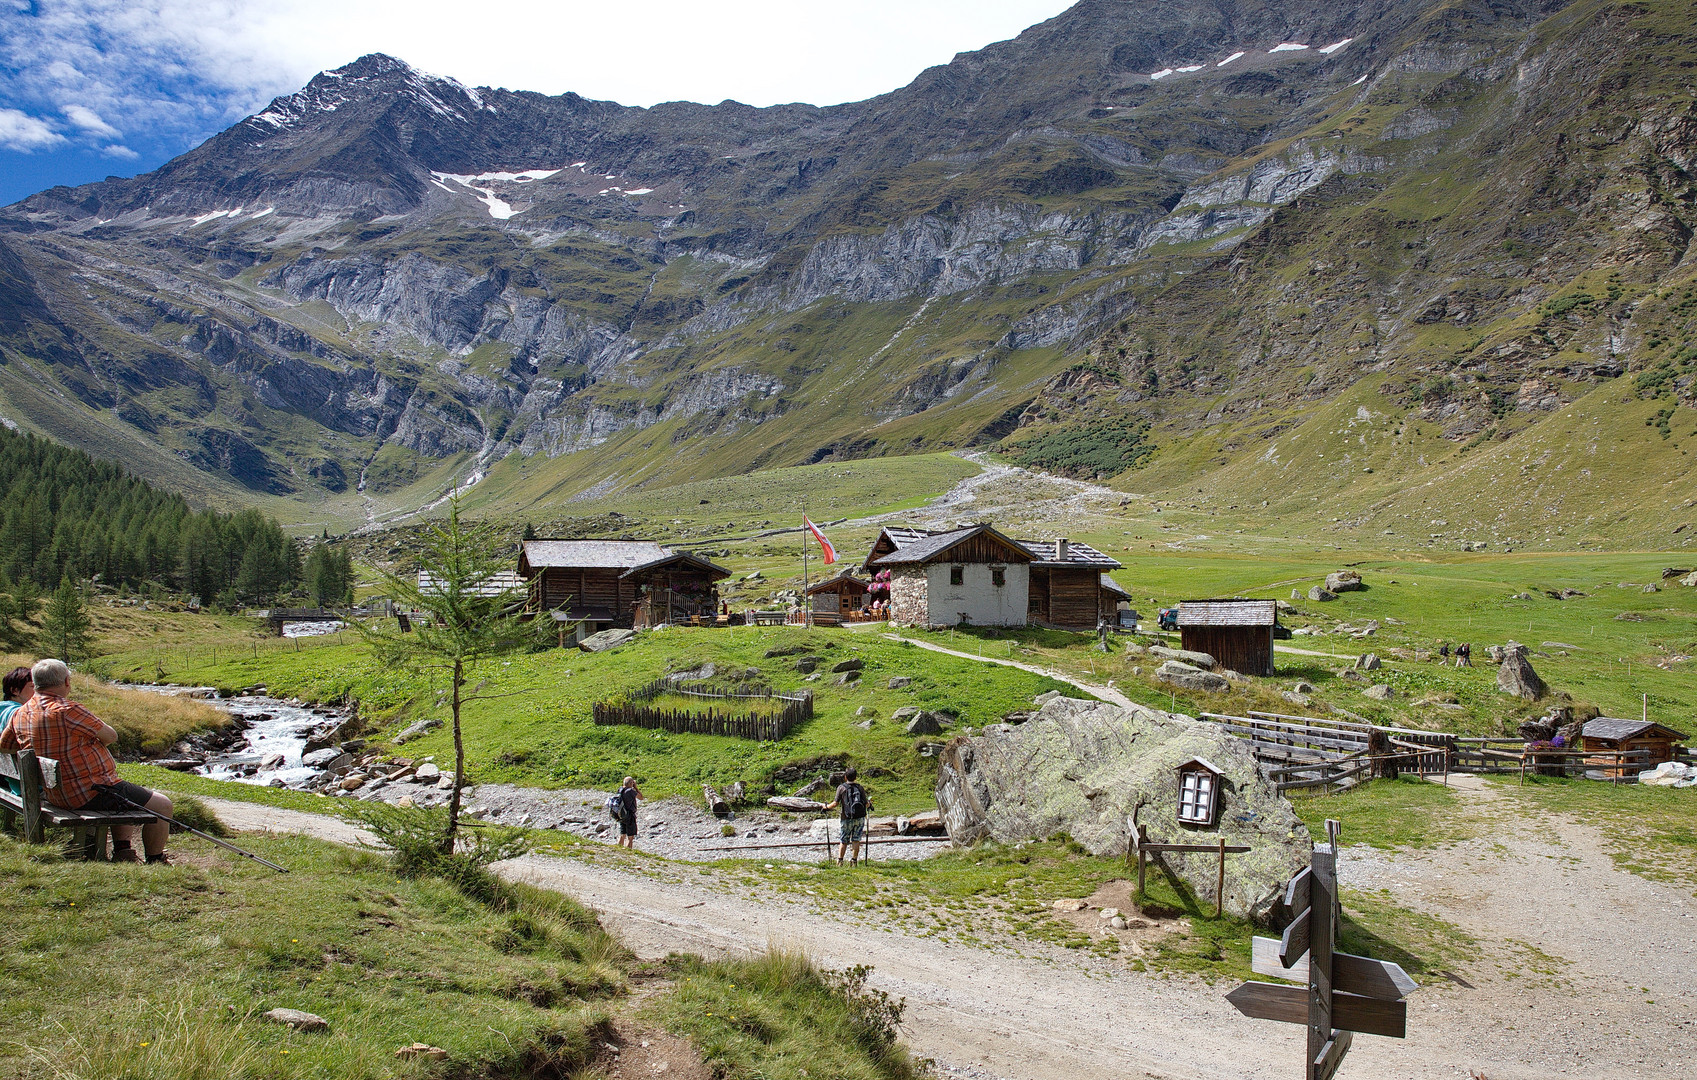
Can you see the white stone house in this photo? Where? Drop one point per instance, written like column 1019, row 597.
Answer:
column 968, row 576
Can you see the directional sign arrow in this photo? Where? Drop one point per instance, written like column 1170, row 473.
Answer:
column 1350, row 1012
column 1296, row 940
column 1296, row 890
column 1351, row 974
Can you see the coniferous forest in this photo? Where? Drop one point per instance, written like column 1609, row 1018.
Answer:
column 68, row 515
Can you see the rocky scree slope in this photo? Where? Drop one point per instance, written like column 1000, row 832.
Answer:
column 387, row 280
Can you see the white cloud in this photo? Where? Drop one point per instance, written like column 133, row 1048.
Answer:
column 89, row 122
column 185, row 68
column 21, row 131
column 118, row 150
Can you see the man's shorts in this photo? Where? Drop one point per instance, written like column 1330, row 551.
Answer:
column 107, row 797
column 854, row 830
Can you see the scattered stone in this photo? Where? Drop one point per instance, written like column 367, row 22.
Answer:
column 1295, row 594
column 1474, row 545
column 406, row 802
column 1352, row 675
column 415, row 730
column 1344, row 581
column 1109, row 913
column 1321, row 595
column 925, row 724
column 1285, row 607
column 929, row 749
column 297, row 1020
column 1379, row 692
column 1670, row 774
column 1183, row 675
column 273, row 760
column 848, row 665
column 352, row 782
column 1184, row 656
column 785, row 650
column 1521, row 596
column 1018, row 716
column 318, row 759
column 1071, row 905
column 1118, row 922
column 807, row 664
column 901, row 682
column 1516, row 676
column 848, row 678
column 783, row 802
column 1652, row 587
column 864, row 725
column 1367, row 662
column 1085, row 766
column 1298, row 699
column 1689, row 580
column 1629, row 616
column 1562, row 645
column 606, row 639
column 422, row 1050
column 705, row 671
column 1304, row 687
column 906, row 712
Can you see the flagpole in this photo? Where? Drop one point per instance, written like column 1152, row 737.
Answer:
column 806, row 601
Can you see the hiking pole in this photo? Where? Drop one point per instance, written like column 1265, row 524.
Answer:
column 203, row 836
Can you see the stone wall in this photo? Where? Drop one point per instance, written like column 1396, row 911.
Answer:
column 908, row 606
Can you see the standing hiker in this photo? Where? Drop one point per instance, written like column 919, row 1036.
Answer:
column 851, row 805
column 629, row 793
column 1464, row 655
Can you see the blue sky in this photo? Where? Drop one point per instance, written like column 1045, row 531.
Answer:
column 92, row 88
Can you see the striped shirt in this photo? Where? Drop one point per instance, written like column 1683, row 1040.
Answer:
column 70, row 734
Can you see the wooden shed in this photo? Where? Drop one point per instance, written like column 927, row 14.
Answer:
column 1236, row 633
column 676, row 588
column 840, row 595
column 1070, row 586
column 1609, row 733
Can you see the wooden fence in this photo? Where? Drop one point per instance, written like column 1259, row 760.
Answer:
column 791, row 710
column 1310, row 752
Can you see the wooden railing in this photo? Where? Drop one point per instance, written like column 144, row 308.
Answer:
column 764, row 725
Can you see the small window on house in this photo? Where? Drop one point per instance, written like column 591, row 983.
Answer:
column 998, row 577
column 957, row 575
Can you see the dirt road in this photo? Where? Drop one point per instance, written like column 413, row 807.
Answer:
column 1570, row 995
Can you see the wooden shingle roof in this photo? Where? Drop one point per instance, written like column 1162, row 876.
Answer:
column 1615, row 729
column 1227, row 613
column 1083, row 555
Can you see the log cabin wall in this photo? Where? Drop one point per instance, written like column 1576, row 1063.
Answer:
column 594, row 587
column 1074, row 603
column 1039, row 602
column 1247, row 650
column 982, row 548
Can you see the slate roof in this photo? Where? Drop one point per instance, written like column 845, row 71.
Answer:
column 497, row 584
column 930, row 545
column 588, row 554
column 1613, row 729
column 1227, row 613
column 832, row 584
column 1114, row 587
column 1043, row 551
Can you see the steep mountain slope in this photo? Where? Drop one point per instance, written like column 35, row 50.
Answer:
column 1163, row 213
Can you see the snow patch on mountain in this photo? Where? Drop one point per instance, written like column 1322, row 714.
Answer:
column 1335, row 46
column 1288, row 46
column 1159, row 75
column 1229, row 59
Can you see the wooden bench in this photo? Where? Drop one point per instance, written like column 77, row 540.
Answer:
column 35, row 774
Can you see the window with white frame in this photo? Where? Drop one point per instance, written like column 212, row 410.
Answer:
column 1196, row 797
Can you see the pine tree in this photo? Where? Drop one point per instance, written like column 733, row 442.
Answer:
column 329, row 575
column 65, row 624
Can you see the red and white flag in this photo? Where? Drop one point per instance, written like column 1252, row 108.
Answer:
column 825, row 545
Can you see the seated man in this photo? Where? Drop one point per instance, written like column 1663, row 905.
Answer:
column 54, row 726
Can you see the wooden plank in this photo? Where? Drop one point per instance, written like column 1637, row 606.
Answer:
column 1296, row 890
column 1326, row 1065
column 1289, row 1005
column 1322, row 936
column 1351, row 974
column 1232, row 849
column 1295, row 941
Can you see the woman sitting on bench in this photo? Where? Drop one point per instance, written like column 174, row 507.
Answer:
column 55, row 727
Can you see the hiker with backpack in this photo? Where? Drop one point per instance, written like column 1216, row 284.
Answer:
column 624, row 804
column 851, row 805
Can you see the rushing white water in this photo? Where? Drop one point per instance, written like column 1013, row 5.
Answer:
column 284, row 733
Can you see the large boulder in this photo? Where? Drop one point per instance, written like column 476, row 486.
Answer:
column 607, row 639
column 1320, row 595
column 1176, row 673
column 1083, row 767
column 1344, row 581
column 1516, row 676
column 1184, row 656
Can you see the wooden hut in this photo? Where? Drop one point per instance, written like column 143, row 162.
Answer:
column 1238, row 634
column 1070, row 586
column 1609, row 733
column 842, row 595
column 601, row 584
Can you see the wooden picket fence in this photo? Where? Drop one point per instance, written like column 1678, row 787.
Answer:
column 762, row 725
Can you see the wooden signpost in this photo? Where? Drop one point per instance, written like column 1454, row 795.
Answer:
column 1342, row 993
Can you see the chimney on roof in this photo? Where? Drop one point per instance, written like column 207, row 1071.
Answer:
column 1060, row 549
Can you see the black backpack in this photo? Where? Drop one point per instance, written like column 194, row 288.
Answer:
column 854, row 801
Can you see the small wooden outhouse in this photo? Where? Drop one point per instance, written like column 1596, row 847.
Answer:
column 844, row 594
column 1238, row 634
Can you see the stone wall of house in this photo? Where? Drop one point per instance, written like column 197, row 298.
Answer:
column 908, row 605
column 978, row 600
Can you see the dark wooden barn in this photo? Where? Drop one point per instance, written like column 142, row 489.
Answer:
column 1609, row 733
column 1070, row 586
column 602, row 584
column 1238, row 634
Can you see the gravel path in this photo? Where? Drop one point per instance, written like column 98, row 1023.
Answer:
column 1582, row 970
